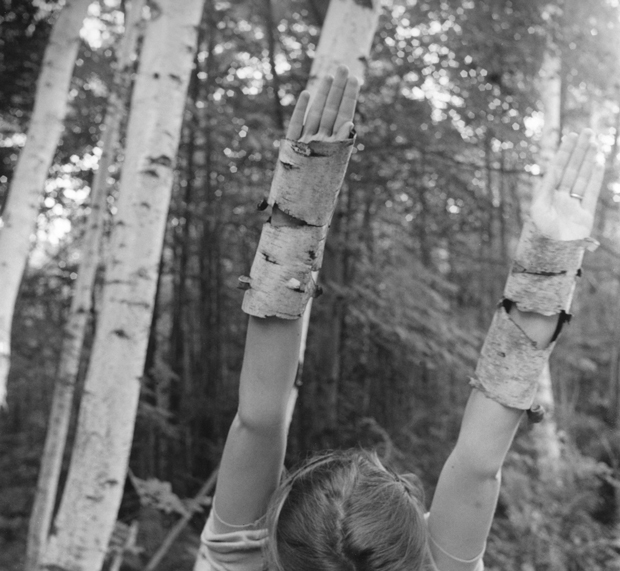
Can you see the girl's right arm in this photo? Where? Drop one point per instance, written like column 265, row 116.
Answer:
column 254, row 451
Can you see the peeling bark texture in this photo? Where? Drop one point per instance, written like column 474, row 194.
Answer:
column 544, row 271
column 305, row 186
column 281, row 281
column 510, row 364
column 44, row 132
column 92, row 494
column 308, row 178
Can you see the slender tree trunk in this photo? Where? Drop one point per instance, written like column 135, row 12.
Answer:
column 22, row 205
column 81, row 304
column 346, row 38
column 545, row 435
column 85, row 520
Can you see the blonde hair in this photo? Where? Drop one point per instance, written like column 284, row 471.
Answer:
column 344, row 511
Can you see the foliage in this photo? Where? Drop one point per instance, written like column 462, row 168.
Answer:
column 550, row 520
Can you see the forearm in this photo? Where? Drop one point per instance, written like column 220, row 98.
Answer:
column 467, row 491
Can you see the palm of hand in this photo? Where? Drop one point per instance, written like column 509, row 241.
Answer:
column 563, row 207
column 564, row 219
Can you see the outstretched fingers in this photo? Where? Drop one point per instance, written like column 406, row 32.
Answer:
column 313, row 120
column 593, row 188
column 557, row 168
column 582, row 178
column 333, row 101
column 329, row 114
column 578, row 167
column 347, row 107
column 296, row 124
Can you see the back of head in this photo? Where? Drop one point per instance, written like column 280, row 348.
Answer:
column 345, row 512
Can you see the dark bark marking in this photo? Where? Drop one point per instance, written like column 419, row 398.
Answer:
column 121, row 333
column 364, row 3
column 161, row 160
column 268, row 258
column 288, row 166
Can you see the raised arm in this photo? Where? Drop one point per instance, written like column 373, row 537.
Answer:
column 254, row 451
column 562, row 215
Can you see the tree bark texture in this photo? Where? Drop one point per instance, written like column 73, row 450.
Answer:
column 346, row 38
column 85, row 520
column 46, row 125
column 81, row 304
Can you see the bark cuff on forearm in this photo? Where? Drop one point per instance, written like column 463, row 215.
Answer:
column 510, row 364
column 543, row 273
column 281, row 282
column 308, row 177
column 305, row 186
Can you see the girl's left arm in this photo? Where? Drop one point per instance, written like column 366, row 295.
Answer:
column 466, row 495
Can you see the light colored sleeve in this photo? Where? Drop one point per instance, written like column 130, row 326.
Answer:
column 237, row 550
column 440, row 560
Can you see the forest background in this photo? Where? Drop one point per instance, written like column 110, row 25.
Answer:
column 450, row 143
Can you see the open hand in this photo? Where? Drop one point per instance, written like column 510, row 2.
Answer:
column 564, row 205
column 330, row 116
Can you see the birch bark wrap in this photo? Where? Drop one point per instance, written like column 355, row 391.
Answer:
column 543, row 275
column 306, row 183
column 308, row 178
column 281, row 280
column 510, row 364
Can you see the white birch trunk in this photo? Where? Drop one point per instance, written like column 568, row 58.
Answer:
column 551, row 103
column 346, row 38
column 81, row 304
column 85, row 520
column 23, row 202
column 545, row 435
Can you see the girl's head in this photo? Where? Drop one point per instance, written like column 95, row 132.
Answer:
column 345, row 512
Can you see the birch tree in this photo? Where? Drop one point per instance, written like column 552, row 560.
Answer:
column 87, row 513
column 81, row 304
column 44, row 132
column 346, row 38
column 545, row 435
